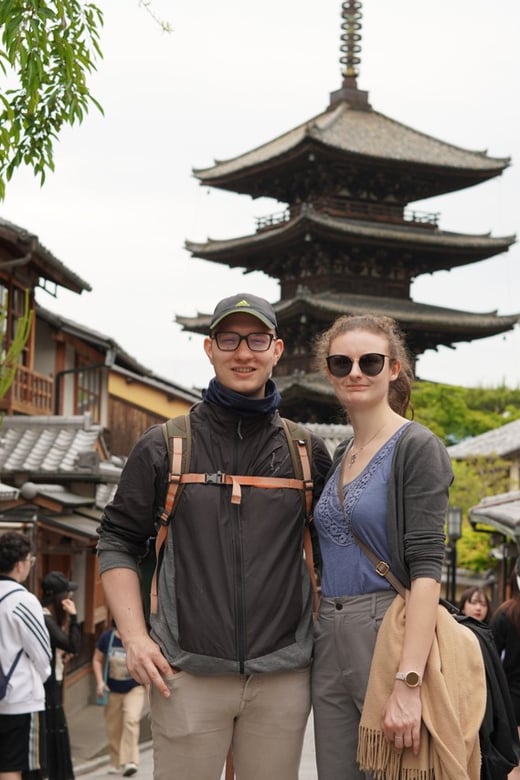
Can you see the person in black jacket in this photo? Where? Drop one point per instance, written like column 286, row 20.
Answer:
column 506, row 631
column 59, row 611
column 229, row 651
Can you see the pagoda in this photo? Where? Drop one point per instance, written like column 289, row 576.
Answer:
column 346, row 241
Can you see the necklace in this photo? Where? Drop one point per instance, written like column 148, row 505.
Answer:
column 353, row 455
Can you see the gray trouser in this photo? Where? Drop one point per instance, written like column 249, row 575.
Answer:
column 263, row 718
column 345, row 636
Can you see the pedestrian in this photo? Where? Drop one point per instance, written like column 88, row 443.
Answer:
column 125, row 702
column 475, row 603
column 505, row 625
column 388, row 486
column 25, row 651
column 61, row 620
column 230, row 648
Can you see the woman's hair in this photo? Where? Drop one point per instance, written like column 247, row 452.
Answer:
column 53, row 602
column 400, row 390
column 469, row 593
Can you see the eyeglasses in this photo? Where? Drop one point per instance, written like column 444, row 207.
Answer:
column 31, row 559
column 370, row 364
column 228, row 341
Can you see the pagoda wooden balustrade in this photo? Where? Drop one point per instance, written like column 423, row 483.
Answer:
column 30, row 393
column 338, row 207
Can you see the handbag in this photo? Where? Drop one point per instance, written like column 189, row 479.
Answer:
column 103, row 699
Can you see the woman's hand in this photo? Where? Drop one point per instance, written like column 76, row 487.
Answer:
column 402, row 717
column 69, row 606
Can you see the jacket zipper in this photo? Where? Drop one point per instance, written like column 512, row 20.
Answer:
column 240, row 625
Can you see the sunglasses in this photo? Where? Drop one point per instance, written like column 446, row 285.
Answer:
column 370, row 364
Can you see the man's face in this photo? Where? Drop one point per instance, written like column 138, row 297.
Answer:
column 243, row 370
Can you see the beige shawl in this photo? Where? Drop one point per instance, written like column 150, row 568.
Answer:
column 453, row 698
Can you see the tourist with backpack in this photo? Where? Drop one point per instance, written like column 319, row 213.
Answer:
column 229, row 649
column 25, row 661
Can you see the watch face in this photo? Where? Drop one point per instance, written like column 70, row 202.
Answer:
column 412, row 679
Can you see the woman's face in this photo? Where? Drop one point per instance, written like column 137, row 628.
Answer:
column 476, row 607
column 358, row 389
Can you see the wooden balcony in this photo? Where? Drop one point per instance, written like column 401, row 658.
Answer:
column 30, row 393
column 363, row 210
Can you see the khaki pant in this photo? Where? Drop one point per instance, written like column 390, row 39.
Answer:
column 123, row 721
column 263, row 718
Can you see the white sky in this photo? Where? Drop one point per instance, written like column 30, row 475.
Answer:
column 230, row 77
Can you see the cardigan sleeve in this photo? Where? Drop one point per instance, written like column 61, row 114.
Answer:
column 418, row 502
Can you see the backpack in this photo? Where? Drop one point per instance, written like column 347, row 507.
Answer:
column 6, row 676
column 177, row 437
column 499, row 744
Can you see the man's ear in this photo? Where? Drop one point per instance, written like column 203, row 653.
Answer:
column 278, row 350
column 208, row 348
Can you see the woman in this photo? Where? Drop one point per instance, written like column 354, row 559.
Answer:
column 474, row 603
column 61, row 620
column 506, row 632
column 393, row 477
column 125, row 702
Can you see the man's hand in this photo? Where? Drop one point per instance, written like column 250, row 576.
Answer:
column 147, row 664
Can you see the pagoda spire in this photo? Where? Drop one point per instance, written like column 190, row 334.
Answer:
column 350, row 41
column 350, row 59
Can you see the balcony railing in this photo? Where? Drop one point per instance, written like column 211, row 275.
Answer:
column 30, row 393
column 339, row 207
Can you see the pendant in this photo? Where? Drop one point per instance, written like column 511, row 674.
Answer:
column 352, row 460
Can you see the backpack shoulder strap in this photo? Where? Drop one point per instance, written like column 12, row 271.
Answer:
column 177, row 437
column 299, row 440
column 300, row 447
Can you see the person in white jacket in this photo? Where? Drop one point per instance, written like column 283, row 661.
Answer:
column 25, row 656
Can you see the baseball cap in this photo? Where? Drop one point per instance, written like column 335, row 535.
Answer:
column 57, row 582
column 244, row 303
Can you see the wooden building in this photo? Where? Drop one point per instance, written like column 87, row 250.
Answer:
column 346, row 240
column 76, row 405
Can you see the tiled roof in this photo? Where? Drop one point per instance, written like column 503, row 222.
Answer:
column 503, row 442
column 46, row 444
column 332, row 435
column 61, row 448
column 327, row 306
column 27, row 245
column 366, row 133
column 501, row 512
column 409, row 236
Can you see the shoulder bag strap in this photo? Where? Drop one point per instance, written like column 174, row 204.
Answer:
column 109, row 648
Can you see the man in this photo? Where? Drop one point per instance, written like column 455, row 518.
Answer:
column 230, row 647
column 23, row 636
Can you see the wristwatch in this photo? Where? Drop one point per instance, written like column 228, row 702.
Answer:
column 412, row 679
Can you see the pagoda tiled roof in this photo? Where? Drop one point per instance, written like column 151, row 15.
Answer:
column 248, row 251
column 367, row 134
column 325, row 307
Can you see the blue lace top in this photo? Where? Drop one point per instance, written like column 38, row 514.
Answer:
column 346, row 571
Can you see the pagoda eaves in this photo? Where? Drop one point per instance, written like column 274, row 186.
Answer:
column 445, row 326
column 335, row 248
column 346, row 144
